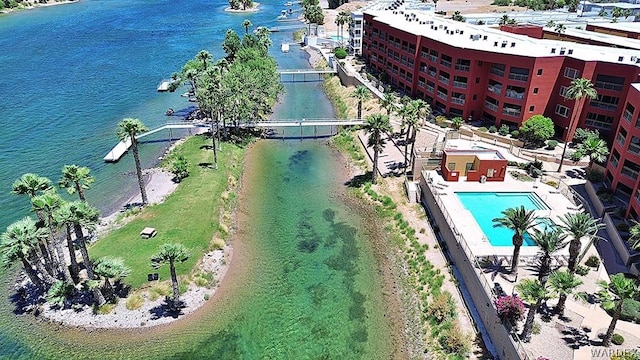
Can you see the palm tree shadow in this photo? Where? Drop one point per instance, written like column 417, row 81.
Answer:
column 359, row 180
column 26, row 299
column 206, row 165
column 574, row 337
column 167, row 309
column 495, row 267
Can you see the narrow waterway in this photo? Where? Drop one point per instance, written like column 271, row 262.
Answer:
column 304, row 281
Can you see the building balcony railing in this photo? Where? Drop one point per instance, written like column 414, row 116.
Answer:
column 518, row 77
column 421, row 83
column 460, row 84
column 432, row 73
column 603, row 105
column 442, row 95
column 621, row 139
column 433, row 58
column 462, row 67
column 498, row 72
column 628, row 115
column 445, row 63
column 511, row 111
column 514, row 95
column 444, row 80
column 429, row 88
column 459, row 101
column 608, row 86
column 614, row 162
column 496, row 89
column 629, row 173
column 491, row 106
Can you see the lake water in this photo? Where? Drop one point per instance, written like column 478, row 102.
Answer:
column 311, row 286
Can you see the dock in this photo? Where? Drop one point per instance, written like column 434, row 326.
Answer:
column 164, row 86
column 284, row 47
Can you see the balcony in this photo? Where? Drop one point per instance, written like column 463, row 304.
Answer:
column 518, row 77
column 511, row 111
column 433, row 58
column 431, row 73
column 512, row 94
column 429, row 88
column 462, row 67
column 491, row 106
column 630, row 173
column 459, row 101
column 603, row 105
column 445, row 63
column 460, row 84
column 442, row 95
column 444, row 80
column 608, row 86
column 496, row 89
column 628, row 115
column 498, row 72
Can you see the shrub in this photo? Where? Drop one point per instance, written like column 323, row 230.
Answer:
column 582, row 270
column 617, row 339
column 593, row 261
column 552, row 183
column 510, row 308
column 134, row 302
column 183, row 286
column 492, row 129
column 515, row 134
column 594, row 175
column 551, row 144
column 630, row 311
column 582, row 134
column 442, row 307
column 455, row 341
column 340, row 53
column 537, row 129
column 483, row 129
column 504, row 130
column 217, row 244
column 501, row 2
column 536, row 328
column 180, row 168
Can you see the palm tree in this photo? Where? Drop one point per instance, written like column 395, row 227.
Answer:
column 375, row 126
column 128, row 129
column 412, row 122
column 504, row 20
column 76, row 179
column 30, row 184
column 388, row 102
column 612, row 296
column 246, row 24
column 560, row 28
column 111, row 268
column 549, row 241
column 564, row 284
column 341, row 19
column 171, row 253
column 63, row 218
column 595, row 148
column 580, row 89
column 20, row 242
column 203, row 56
column 634, row 236
column 534, row 293
column 550, row 24
column 361, row 93
column 85, row 216
column 60, row 293
column 578, row 226
column 520, row 220
column 456, row 123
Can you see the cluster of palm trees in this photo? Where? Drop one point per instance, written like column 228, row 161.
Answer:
column 237, row 4
column 343, row 18
column 44, row 244
column 312, row 13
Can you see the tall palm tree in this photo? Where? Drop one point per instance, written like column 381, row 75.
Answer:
column 549, row 241
column 361, row 93
column 578, row 226
column 128, row 129
column 504, row 20
column 76, row 179
column 564, row 284
column 560, row 28
column 63, row 218
column 31, row 184
column 47, row 204
column 580, row 89
column 246, row 24
column 111, row 268
column 85, row 216
column 388, row 102
column 204, row 57
column 520, row 220
column 595, row 148
column 171, row 253
column 20, row 242
column 375, row 126
column 412, row 119
column 612, row 296
column 533, row 293
column 341, row 19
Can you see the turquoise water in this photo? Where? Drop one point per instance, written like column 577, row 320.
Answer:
column 486, row 206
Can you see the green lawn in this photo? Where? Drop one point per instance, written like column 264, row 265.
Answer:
column 190, row 215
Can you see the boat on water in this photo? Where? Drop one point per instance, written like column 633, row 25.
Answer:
column 284, row 47
column 288, row 3
column 283, row 15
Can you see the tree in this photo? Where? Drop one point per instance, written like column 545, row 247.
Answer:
column 634, row 236
column 63, row 218
column 204, row 57
column 550, row 24
column 549, row 241
column 564, row 284
column 612, row 295
column 171, row 253
column 560, row 29
column 76, row 179
column 388, row 102
column 341, row 19
column 580, row 89
column 246, row 24
column 361, row 93
column 128, row 129
column 60, row 293
column 532, row 292
column 536, row 130
column 31, row 184
column 180, row 167
column 231, row 45
column 519, row 220
column 581, row 135
column 375, row 126
column 595, row 148
column 412, row 122
column 504, row 20
column 456, row 123
column 578, row 226
column 111, row 268
column 422, row 109
column 458, row 17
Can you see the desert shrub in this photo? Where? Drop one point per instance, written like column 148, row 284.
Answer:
column 593, row 261
column 551, row 144
column 159, row 290
column 183, row 286
column 536, row 328
column 134, row 302
column 552, row 183
column 501, row 2
column 104, row 309
column 217, row 244
column 617, row 339
column 515, row 134
column 482, row 128
column 455, row 341
column 442, row 307
column 510, row 308
column 493, row 129
column 206, row 297
column 340, row 53
column 582, row 270
column 503, row 130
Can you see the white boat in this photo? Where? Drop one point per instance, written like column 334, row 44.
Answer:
column 284, row 47
column 288, row 3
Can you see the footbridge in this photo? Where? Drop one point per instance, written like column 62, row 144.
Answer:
column 304, row 128
column 314, row 74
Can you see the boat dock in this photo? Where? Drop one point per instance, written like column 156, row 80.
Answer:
column 164, row 86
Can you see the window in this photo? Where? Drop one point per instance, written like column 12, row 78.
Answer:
column 563, row 91
column 475, row 97
column 609, row 82
column 562, row 110
column 535, row 90
column 634, row 145
column 531, row 108
column 615, row 158
column 628, row 112
column 463, row 64
column 520, row 74
column 605, row 102
column 630, row 169
column 451, row 166
column 622, row 137
column 497, row 69
column 460, row 82
column 539, row 72
column 599, row 121
column 571, row 73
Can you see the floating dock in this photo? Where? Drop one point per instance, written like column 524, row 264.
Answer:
column 164, row 86
column 284, row 47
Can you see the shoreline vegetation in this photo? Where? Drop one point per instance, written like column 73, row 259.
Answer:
column 30, row 6
column 253, row 8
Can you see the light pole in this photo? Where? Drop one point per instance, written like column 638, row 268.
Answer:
column 564, row 150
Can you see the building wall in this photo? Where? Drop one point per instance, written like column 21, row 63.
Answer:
column 482, row 168
column 617, row 32
column 455, row 165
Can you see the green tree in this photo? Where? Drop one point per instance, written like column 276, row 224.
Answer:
column 458, row 17
column 536, row 130
column 519, row 220
column 549, row 241
column 595, row 148
column 60, row 293
column 31, row 184
column 375, row 126
column 634, row 236
column 231, row 45
column 564, row 284
column 76, row 179
column 388, row 102
column 534, row 293
column 550, row 24
column 560, row 29
column 456, row 123
column 128, row 129
column 246, row 24
column 612, row 295
column 504, row 20
column 341, row 19
column 171, row 253
column 111, row 268
column 204, row 57
column 579, row 90
column 412, row 123
column 63, row 218
column 361, row 93
column 180, row 167
column 579, row 226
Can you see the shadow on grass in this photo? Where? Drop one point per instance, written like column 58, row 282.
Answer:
column 167, row 309
column 359, row 180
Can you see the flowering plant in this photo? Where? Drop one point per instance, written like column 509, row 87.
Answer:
column 510, row 308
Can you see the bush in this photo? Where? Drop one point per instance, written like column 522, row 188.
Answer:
column 455, row 341
column 536, row 328
column 493, row 129
column 442, row 307
column 551, row 144
column 582, row 270
column 515, row 134
column 593, row 261
column 617, row 339
column 483, row 129
column 180, row 168
column 552, row 184
column 510, row 308
column 582, row 134
column 594, row 175
column 537, row 129
column 134, row 302
column 504, row 130
column 501, row 2
column 340, row 53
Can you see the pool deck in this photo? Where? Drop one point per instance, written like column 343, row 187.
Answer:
column 465, row 224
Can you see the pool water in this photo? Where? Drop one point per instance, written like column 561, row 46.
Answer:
column 486, row 206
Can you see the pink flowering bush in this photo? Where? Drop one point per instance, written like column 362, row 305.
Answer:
column 510, row 308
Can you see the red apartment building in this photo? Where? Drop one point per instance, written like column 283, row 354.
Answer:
column 477, row 72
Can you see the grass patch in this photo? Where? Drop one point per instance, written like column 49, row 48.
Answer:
column 134, row 302
column 188, row 216
column 332, row 88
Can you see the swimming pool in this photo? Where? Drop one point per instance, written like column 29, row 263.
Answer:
column 486, row 206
